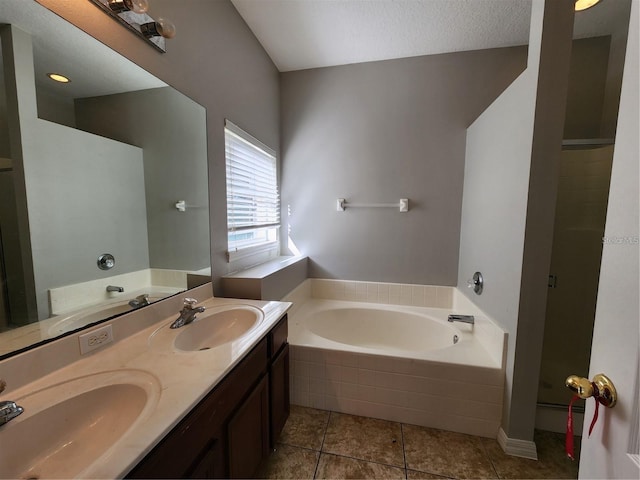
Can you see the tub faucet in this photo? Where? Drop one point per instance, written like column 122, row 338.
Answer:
column 8, row 409
column 461, row 318
column 188, row 313
column 113, row 288
column 139, row 301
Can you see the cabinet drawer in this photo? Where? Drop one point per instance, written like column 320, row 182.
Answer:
column 278, row 337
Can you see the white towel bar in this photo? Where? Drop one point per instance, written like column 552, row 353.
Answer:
column 402, row 205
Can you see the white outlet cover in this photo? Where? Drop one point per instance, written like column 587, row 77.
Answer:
column 95, row 339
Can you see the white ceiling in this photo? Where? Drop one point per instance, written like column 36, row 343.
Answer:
column 300, row 34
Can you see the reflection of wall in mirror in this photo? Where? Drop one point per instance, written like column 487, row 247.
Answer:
column 171, row 129
column 6, row 199
column 88, row 194
column 85, row 195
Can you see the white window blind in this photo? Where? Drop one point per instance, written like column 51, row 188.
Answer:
column 253, row 202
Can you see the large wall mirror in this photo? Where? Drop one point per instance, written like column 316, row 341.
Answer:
column 112, row 163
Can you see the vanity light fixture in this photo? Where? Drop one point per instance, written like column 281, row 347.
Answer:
column 160, row 28
column 133, row 15
column 585, row 4
column 56, row 77
column 137, row 6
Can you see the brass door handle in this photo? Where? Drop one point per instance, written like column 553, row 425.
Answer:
column 601, row 387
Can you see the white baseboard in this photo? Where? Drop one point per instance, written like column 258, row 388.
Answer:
column 516, row 447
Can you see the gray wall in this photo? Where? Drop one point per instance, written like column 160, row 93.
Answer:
column 174, row 143
column 374, row 133
column 12, row 253
column 215, row 60
column 17, row 64
column 55, row 108
column 509, row 205
column 493, row 219
column 4, row 130
column 587, row 81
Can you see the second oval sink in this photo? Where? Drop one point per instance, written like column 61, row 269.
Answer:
column 214, row 328
column 67, row 426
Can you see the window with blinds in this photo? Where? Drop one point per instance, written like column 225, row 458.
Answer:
column 253, row 204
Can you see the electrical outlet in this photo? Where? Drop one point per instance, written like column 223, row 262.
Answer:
column 95, row 339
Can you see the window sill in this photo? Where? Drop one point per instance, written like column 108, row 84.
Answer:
column 271, row 280
column 270, row 248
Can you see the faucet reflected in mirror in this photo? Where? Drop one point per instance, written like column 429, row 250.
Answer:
column 87, row 147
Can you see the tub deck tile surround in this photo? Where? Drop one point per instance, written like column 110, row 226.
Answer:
column 425, row 452
column 384, row 293
column 459, row 398
column 427, row 396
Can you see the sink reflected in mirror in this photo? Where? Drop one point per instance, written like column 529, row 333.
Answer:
column 86, row 316
column 215, row 327
column 101, row 173
column 67, row 427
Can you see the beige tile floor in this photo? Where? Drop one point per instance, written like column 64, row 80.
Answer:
column 323, row 444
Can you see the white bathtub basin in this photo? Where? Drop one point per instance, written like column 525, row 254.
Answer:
column 68, row 426
column 382, row 330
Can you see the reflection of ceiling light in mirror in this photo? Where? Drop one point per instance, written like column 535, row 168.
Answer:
column 56, row 77
column 584, row 4
column 137, row 6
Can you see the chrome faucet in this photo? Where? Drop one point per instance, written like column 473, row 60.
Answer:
column 113, row 288
column 8, row 409
column 461, row 318
column 188, row 313
column 139, row 301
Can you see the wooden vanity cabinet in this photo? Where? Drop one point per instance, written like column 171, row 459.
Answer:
column 229, row 434
column 278, row 380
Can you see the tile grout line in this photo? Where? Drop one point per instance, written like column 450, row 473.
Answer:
column 355, row 458
column 484, row 447
column 365, row 461
column 324, row 435
column 296, row 446
column 404, row 454
column 486, row 452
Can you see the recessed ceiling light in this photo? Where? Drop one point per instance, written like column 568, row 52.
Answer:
column 584, row 4
column 58, row 78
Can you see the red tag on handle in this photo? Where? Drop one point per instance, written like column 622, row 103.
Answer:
column 568, row 446
column 595, row 416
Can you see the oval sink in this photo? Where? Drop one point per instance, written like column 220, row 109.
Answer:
column 66, row 427
column 218, row 328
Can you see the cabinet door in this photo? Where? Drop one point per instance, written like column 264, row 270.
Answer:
column 211, row 465
column 180, row 451
column 279, row 393
column 248, row 433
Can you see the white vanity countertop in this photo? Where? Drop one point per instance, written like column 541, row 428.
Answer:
column 181, row 380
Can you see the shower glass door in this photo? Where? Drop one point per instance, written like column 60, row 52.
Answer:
column 581, row 209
